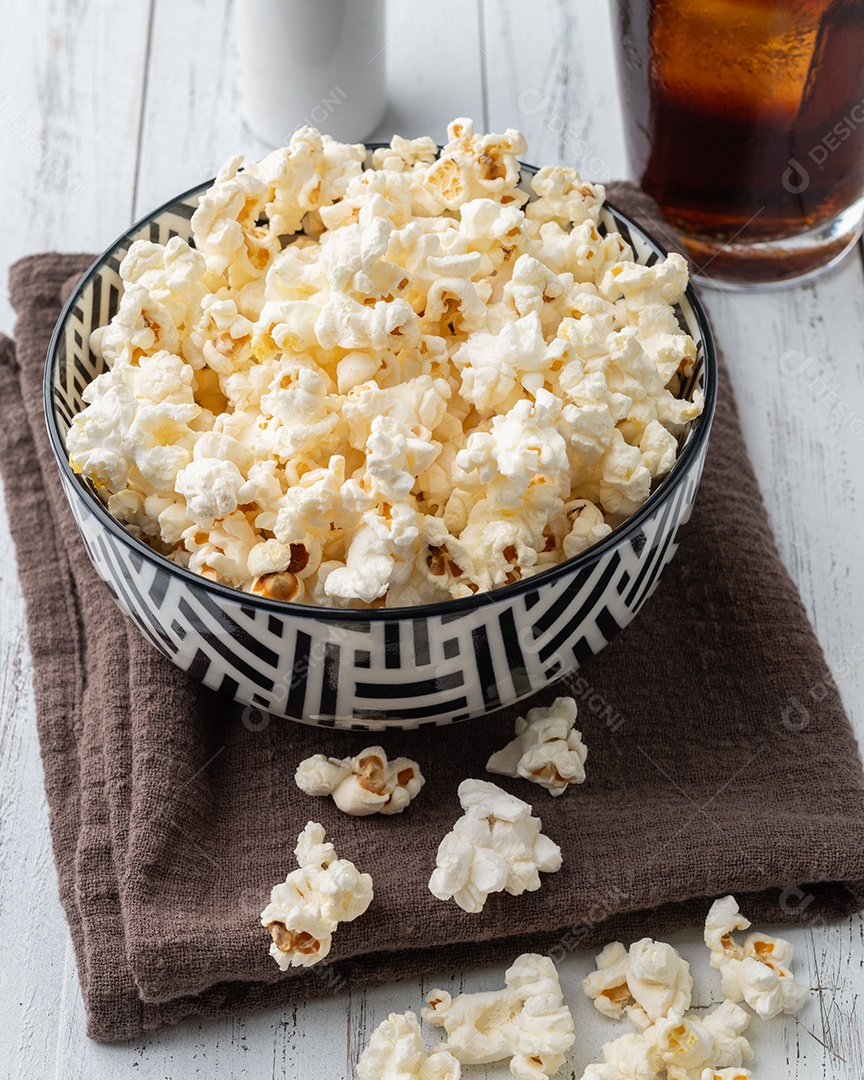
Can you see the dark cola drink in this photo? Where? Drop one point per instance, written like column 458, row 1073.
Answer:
column 745, row 121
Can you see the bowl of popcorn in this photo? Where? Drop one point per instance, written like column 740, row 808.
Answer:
column 376, row 437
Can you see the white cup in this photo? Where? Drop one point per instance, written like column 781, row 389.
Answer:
column 317, row 62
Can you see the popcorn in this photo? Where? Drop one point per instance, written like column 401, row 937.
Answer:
column 527, row 1021
column 306, row 909
column 272, row 557
column 563, row 197
column 683, row 1044
column 671, row 1042
column 489, row 227
column 496, row 845
column 547, row 750
column 756, row 971
column 726, row 1024
column 220, row 339
column 395, row 1052
column 225, row 224
column 521, row 446
column 136, row 425
column 643, row 286
column 380, row 554
column 607, row 985
column 491, row 363
column 476, row 166
column 311, row 172
column 658, row 449
column 221, row 553
column 679, row 1047
column 689, row 1047
column 210, row 488
column 395, row 458
column 365, row 784
column 631, row 1057
column 174, row 276
column 586, row 524
column 670, row 348
column 658, row 978
column 404, row 154
column 141, row 326
column 651, row 973
column 387, row 385
column 625, row 480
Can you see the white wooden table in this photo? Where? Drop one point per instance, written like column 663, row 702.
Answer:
column 108, row 109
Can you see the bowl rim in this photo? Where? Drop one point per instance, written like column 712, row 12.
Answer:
column 452, row 606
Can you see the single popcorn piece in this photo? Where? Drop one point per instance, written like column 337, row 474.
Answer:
column 651, row 973
column 475, row 166
column 727, row 1023
column 586, row 527
column 527, row 1021
column 495, row 846
column 684, row 1044
column 630, row 1057
column 658, row 978
column 306, row 909
column 395, row 1052
column 607, row 984
column 365, row 784
column 386, row 380
column 547, row 749
column 136, row 426
column 690, row 1045
column 757, row 970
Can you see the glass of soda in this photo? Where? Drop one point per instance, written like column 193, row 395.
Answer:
column 745, row 121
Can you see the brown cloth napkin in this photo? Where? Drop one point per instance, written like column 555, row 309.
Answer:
column 720, row 761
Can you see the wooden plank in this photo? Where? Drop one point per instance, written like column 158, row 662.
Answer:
column 552, row 75
column 70, row 99
column 434, row 67
column 191, row 121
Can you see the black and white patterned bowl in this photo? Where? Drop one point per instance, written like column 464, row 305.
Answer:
column 382, row 668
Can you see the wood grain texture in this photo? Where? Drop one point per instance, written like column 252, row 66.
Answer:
column 165, row 117
column 70, row 100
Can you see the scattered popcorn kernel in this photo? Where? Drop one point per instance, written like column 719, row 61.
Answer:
column 658, row 978
column 433, row 379
column 726, row 1023
column 395, row 1052
column 652, row 974
column 527, row 1021
column 757, row 970
column 682, row 1042
column 495, row 846
column 670, row 1041
column 607, row 985
column 631, row 1057
column 361, row 785
column 306, row 909
column 547, row 749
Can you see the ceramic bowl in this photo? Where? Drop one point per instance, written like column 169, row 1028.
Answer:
column 381, row 668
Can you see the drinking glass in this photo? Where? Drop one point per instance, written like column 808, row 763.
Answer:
column 745, row 121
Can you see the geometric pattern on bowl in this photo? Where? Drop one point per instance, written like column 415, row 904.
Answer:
column 383, row 668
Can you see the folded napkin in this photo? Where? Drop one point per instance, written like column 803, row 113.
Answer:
column 720, row 760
